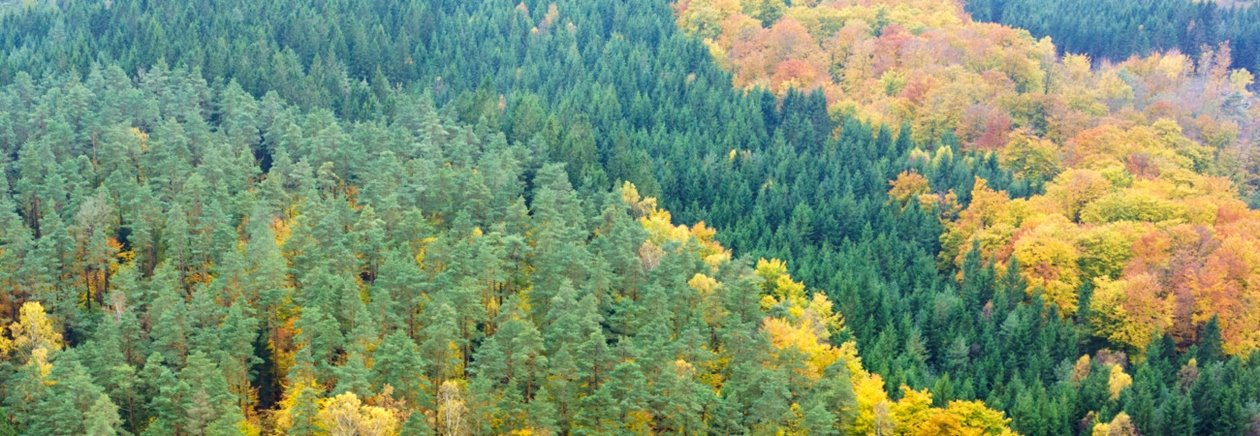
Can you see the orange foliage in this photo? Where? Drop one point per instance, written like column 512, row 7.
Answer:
column 1140, row 157
column 909, row 185
column 980, row 80
column 1126, row 149
column 802, row 325
column 1165, row 246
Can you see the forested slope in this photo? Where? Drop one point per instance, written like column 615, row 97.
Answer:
column 1133, row 230
column 161, row 282
column 312, row 114
column 183, row 257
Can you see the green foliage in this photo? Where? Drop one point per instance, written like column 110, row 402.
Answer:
column 418, row 195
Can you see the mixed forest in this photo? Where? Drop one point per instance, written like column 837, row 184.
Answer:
column 1119, row 29
column 358, row 217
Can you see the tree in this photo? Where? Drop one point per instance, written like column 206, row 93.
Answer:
column 208, row 404
column 102, row 419
column 346, row 415
column 28, row 388
column 320, row 336
column 451, row 409
column 398, row 363
column 1031, row 157
column 441, row 348
column 297, row 413
column 74, row 404
column 32, row 331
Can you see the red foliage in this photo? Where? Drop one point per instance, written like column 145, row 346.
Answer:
column 917, row 89
column 804, row 73
column 985, row 127
column 789, row 39
column 1141, row 166
column 888, row 48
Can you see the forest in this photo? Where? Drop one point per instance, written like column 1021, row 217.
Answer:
column 1115, row 30
column 596, row 217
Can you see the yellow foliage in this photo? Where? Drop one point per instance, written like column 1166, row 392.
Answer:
column 33, row 330
column 700, row 17
column 785, row 335
column 913, row 415
column 1048, row 261
column 1129, row 311
column 1225, row 287
column 39, row 358
column 1173, row 65
column 452, row 410
column 1116, row 220
column 141, row 137
column 282, row 229
column 1031, row 157
column 640, row 206
column 1082, row 368
column 1105, row 250
column 703, row 284
column 778, row 284
column 247, row 428
column 1241, row 80
column 1121, row 425
column 822, row 315
column 661, row 230
column 1133, row 205
column 977, row 418
column 806, row 329
column 908, row 185
column 913, row 411
column 987, row 220
column 869, row 391
column 1133, row 148
column 292, row 394
column 1118, row 381
column 1077, row 67
column 346, row 415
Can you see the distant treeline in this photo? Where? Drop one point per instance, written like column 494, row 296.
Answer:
column 1117, row 29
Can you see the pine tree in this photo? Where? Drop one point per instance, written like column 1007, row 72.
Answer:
column 441, row 347
column 320, row 335
column 71, row 398
column 398, row 365
column 167, row 394
column 27, row 389
column 102, row 419
column 1176, row 415
column 209, row 398
column 168, row 315
column 1209, row 343
column 395, row 297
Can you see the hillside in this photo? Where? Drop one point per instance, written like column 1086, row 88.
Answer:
column 427, row 295
column 1135, row 227
column 419, row 217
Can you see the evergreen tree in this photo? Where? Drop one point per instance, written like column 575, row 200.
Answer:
column 397, row 364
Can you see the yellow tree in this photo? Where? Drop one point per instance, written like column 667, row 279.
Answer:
column 346, row 415
column 909, row 186
column 1049, row 261
column 1120, row 425
column 33, row 330
column 1031, row 157
column 986, row 220
column 1130, row 311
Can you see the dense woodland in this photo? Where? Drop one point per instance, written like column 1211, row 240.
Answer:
column 361, row 217
column 1117, row 29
